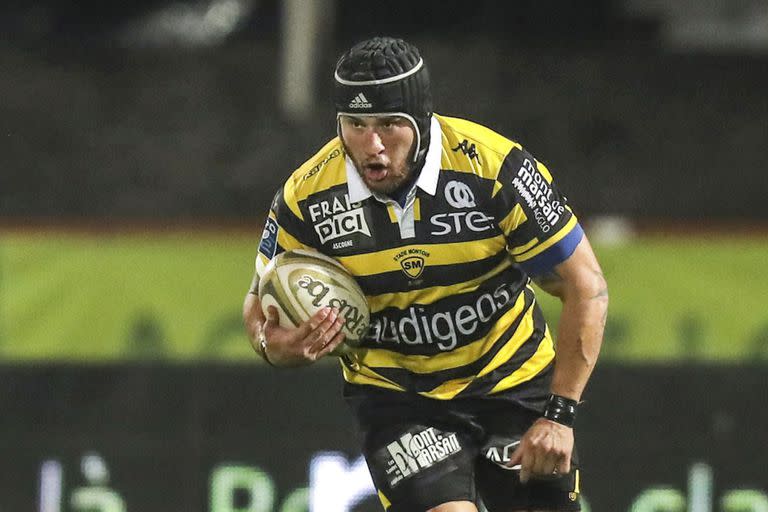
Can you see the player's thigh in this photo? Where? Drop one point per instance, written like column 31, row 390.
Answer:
column 455, row 506
column 417, row 466
column 500, row 487
column 502, row 491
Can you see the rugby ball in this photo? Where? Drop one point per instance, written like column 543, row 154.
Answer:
column 300, row 282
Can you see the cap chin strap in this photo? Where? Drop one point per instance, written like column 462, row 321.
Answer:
column 381, row 114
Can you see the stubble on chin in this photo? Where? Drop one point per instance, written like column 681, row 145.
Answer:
column 389, row 185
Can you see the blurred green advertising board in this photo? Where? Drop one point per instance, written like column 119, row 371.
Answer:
column 75, row 296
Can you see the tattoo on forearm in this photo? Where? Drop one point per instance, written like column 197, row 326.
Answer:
column 601, row 295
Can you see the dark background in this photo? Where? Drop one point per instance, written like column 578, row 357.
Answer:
column 107, row 116
column 144, row 112
column 162, row 430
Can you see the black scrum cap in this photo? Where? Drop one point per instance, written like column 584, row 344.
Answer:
column 384, row 75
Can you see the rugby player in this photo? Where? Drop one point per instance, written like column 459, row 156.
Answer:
column 459, row 388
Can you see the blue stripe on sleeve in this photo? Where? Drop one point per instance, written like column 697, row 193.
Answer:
column 553, row 256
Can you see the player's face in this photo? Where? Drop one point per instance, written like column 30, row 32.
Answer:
column 381, row 148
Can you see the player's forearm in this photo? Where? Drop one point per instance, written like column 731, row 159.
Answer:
column 579, row 283
column 579, row 338
column 253, row 319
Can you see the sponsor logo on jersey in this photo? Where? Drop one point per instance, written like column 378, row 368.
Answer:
column 501, row 455
column 337, row 218
column 333, row 154
column 459, row 195
column 268, row 244
column 343, row 244
column 418, row 451
column 360, row 101
column 456, row 222
column 537, row 194
column 417, row 326
column 412, row 261
column 468, row 149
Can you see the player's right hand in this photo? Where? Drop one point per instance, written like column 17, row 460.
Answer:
column 305, row 344
column 544, row 451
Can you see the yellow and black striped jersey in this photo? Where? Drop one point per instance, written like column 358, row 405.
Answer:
column 446, row 274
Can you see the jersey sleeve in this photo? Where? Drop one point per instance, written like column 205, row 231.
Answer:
column 283, row 231
column 540, row 228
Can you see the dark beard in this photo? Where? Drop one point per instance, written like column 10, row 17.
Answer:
column 400, row 191
column 396, row 188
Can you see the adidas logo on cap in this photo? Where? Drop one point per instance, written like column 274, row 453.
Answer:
column 360, row 101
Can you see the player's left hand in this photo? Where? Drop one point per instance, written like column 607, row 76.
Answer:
column 544, row 451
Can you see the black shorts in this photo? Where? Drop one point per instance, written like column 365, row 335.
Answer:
column 422, row 453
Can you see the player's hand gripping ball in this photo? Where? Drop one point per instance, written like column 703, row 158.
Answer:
column 299, row 283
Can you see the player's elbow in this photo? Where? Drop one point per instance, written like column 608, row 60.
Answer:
column 598, row 288
column 587, row 284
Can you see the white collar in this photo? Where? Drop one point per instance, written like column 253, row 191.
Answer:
column 427, row 181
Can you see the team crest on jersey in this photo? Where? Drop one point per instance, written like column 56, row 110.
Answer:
column 412, row 262
column 413, row 266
